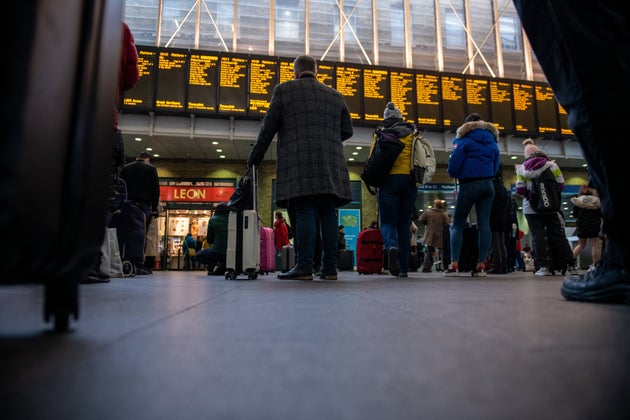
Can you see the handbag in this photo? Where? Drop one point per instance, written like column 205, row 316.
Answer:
column 243, row 196
column 385, row 150
column 111, row 262
column 192, row 252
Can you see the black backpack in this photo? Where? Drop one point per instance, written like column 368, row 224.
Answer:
column 385, row 150
column 545, row 194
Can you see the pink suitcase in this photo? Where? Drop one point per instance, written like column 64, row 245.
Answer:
column 267, row 250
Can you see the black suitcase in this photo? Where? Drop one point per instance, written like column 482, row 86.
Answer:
column 345, row 260
column 470, row 249
column 57, row 113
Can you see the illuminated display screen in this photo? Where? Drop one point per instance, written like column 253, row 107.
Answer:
column 172, row 78
column 202, row 85
column 501, row 105
column 524, row 108
column 234, row 84
column 375, row 92
column 546, row 109
column 263, row 77
column 141, row 97
column 348, row 83
column 326, row 73
column 401, row 89
column 428, row 100
column 477, row 93
column 453, row 100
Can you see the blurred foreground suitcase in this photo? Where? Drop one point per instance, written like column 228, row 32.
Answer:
column 267, row 250
column 345, row 260
column 470, row 249
column 57, row 110
column 370, row 254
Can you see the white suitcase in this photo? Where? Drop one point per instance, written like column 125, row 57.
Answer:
column 243, row 249
column 243, row 242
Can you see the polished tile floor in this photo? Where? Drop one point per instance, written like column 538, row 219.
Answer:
column 184, row 345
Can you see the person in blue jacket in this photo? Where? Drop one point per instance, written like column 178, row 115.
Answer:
column 474, row 162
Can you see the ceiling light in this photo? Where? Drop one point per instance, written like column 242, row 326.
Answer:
column 359, row 147
column 513, row 157
column 215, row 142
column 156, row 155
column 138, row 138
column 148, row 149
column 355, row 153
column 351, row 159
column 219, row 150
column 222, row 156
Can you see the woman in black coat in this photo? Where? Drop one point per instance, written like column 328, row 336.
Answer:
column 588, row 221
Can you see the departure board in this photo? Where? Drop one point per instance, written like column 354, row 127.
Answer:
column 348, row 83
column 375, row 92
column 172, row 80
column 202, row 82
column 326, row 73
column 524, row 108
column 187, row 81
column 141, row 97
column 453, row 102
column 402, row 88
column 563, row 119
column 501, row 105
column 546, row 109
column 263, row 77
column 477, row 96
column 428, row 100
column 286, row 70
column 233, row 84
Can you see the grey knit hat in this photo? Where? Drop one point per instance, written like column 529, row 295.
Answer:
column 391, row 111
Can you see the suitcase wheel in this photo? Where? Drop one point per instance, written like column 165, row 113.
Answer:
column 252, row 275
column 230, row 274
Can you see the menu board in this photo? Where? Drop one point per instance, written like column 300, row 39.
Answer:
column 477, row 94
column 172, row 78
column 428, row 100
column 141, row 97
column 546, row 109
column 233, row 84
column 501, row 105
column 524, row 108
column 375, row 92
column 348, row 83
column 401, row 89
column 453, row 100
column 263, row 77
column 202, row 85
column 191, row 81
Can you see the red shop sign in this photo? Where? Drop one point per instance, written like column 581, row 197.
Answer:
column 195, row 193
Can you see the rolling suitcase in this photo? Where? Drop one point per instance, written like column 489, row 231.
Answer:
column 470, row 249
column 57, row 142
column 370, row 254
column 267, row 250
column 287, row 258
column 345, row 260
column 243, row 242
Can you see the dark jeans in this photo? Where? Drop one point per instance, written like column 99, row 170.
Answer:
column 310, row 210
column 210, row 257
column 479, row 194
column 396, row 200
column 549, row 238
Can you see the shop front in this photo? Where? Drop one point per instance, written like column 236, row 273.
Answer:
column 188, row 206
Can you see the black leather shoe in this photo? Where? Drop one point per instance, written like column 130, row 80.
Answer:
column 330, row 276
column 296, row 274
column 598, row 285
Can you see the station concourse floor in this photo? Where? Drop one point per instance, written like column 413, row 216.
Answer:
column 184, row 345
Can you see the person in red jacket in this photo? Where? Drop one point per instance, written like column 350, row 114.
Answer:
column 281, row 231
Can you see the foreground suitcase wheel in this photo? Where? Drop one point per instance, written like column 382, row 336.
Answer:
column 230, row 274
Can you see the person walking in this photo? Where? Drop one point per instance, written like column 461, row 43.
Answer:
column 474, row 162
column 435, row 219
column 588, row 221
column 311, row 121
column 548, row 235
column 397, row 196
column 572, row 56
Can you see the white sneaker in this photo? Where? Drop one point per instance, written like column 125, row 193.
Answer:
column 572, row 270
column 543, row 271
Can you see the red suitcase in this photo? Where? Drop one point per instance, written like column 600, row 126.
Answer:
column 267, row 250
column 370, row 252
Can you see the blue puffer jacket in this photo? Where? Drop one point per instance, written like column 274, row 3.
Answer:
column 475, row 152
